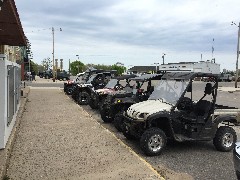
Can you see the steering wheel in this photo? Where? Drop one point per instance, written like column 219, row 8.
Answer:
column 185, row 104
column 118, row 87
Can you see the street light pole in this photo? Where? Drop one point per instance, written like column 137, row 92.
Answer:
column 236, row 77
column 78, row 61
column 53, row 56
column 163, row 57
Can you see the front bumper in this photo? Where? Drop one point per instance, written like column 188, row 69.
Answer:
column 132, row 126
column 236, row 159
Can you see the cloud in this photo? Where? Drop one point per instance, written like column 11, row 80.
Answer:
column 135, row 32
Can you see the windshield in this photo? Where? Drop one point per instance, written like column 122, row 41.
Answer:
column 169, row 91
column 78, row 78
column 111, row 83
column 91, row 78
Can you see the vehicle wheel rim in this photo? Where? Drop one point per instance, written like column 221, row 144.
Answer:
column 155, row 143
column 227, row 140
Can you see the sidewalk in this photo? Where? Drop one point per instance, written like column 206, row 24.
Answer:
column 43, row 80
column 57, row 139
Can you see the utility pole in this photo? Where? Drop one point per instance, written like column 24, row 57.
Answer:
column 237, row 56
column 53, row 56
column 236, row 77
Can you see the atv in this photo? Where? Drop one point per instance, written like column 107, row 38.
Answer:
column 80, row 78
column 115, row 84
column 82, row 92
column 116, row 103
column 177, row 111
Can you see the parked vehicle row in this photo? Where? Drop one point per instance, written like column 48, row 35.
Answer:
column 161, row 112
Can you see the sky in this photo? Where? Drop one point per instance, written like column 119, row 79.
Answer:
column 133, row 32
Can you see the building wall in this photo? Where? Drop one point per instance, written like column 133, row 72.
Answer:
column 205, row 67
column 12, row 53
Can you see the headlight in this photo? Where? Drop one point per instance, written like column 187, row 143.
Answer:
column 142, row 116
column 118, row 101
column 101, row 92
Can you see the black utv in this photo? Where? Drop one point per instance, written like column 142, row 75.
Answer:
column 115, row 84
column 80, row 78
column 82, row 92
column 116, row 103
column 181, row 109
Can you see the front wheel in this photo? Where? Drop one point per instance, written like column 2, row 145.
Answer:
column 118, row 122
column 105, row 114
column 93, row 104
column 153, row 141
column 83, row 98
column 225, row 139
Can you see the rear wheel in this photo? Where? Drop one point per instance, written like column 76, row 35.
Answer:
column 69, row 90
column 153, row 141
column 225, row 139
column 83, row 98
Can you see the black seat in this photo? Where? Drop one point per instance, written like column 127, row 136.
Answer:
column 200, row 112
column 202, row 108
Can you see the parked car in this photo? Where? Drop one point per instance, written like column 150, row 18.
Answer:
column 116, row 103
column 115, row 84
column 236, row 159
column 171, row 113
column 63, row 76
column 48, row 74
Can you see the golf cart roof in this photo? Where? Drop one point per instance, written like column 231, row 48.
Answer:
column 186, row 75
column 147, row 77
column 124, row 77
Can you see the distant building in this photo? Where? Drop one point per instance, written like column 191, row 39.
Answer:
column 202, row 66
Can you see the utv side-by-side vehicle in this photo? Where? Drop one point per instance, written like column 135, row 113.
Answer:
column 117, row 102
column 82, row 92
column 80, row 78
column 172, row 113
column 115, row 84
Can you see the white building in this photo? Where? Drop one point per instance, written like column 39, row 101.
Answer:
column 202, row 66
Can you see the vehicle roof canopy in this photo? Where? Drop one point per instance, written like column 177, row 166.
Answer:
column 148, row 77
column 124, row 77
column 186, row 75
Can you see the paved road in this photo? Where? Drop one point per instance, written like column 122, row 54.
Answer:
column 199, row 159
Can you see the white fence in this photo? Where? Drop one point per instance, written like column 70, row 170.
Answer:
column 10, row 82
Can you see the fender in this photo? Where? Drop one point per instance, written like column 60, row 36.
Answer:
column 161, row 115
column 226, row 118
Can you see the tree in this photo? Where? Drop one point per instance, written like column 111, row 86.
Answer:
column 120, row 69
column 47, row 63
column 77, row 67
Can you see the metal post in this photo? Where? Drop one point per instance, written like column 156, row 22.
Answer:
column 236, row 78
column 69, row 69
column 53, row 56
column 163, row 57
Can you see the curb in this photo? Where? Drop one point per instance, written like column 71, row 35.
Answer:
column 6, row 153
